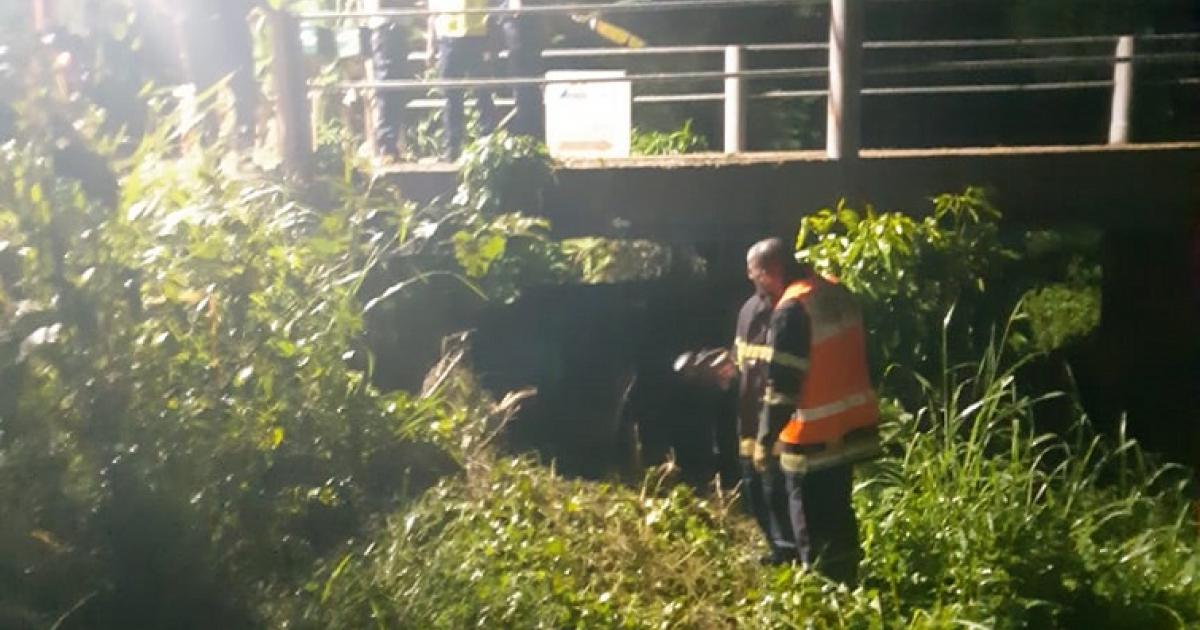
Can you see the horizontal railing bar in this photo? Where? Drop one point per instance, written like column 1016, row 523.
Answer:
column 1154, row 37
column 434, row 103
column 1031, row 62
column 437, row 103
column 981, row 88
column 571, row 8
column 408, row 85
column 710, row 49
column 678, row 98
column 814, row 71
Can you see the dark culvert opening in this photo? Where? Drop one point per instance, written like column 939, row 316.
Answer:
column 600, row 355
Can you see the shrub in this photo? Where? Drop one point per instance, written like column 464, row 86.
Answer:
column 910, row 271
column 185, row 400
column 677, row 142
column 1060, row 314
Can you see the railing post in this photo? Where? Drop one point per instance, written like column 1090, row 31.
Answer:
column 1122, row 96
column 43, row 12
column 842, row 126
column 735, row 103
column 291, row 90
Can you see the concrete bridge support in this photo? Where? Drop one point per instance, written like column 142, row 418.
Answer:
column 1150, row 339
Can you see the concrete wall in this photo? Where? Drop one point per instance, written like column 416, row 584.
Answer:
column 712, row 198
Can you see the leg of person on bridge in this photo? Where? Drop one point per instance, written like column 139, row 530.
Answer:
column 458, row 58
column 525, row 61
column 388, row 49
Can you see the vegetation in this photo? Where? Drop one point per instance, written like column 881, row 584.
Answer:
column 190, row 437
column 185, row 366
column 910, row 271
column 970, row 520
column 677, row 142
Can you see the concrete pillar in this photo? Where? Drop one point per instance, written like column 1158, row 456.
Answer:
column 735, row 103
column 1122, row 95
column 843, row 128
column 291, row 90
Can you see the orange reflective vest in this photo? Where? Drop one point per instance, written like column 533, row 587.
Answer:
column 836, row 396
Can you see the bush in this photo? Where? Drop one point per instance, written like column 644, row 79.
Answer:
column 677, row 142
column 970, row 520
column 1060, row 314
column 185, row 401
column 910, row 271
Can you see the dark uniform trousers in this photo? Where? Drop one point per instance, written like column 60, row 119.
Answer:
column 824, row 526
column 525, row 61
column 388, row 51
column 458, row 58
column 767, row 499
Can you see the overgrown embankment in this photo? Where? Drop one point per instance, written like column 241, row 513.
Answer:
column 970, row 520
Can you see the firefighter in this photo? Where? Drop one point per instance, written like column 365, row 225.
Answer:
column 820, row 414
column 764, row 490
column 458, row 41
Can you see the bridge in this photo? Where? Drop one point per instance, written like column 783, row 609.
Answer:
column 741, row 192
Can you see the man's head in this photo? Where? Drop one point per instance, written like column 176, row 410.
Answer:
column 771, row 266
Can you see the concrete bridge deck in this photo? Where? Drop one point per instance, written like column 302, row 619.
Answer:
column 705, row 197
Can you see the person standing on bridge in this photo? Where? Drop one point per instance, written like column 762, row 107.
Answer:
column 820, row 413
column 524, row 38
column 388, row 48
column 457, row 40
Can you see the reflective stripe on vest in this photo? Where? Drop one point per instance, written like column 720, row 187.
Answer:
column 745, row 352
column 451, row 23
column 836, row 407
column 836, row 396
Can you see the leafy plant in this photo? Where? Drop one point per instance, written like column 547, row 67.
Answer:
column 677, row 142
column 1060, row 314
column 602, row 260
column 183, row 362
column 909, row 270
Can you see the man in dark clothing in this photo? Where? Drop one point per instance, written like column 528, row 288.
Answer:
column 764, row 491
column 388, row 51
column 812, row 401
column 524, row 39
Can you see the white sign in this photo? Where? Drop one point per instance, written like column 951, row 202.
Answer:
column 588, row 119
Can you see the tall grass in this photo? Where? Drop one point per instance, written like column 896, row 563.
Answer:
column 972, row 506
column 970, row 520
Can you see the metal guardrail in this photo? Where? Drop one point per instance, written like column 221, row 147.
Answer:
column 735, row 74
column 776, row 73
column 657, row 6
